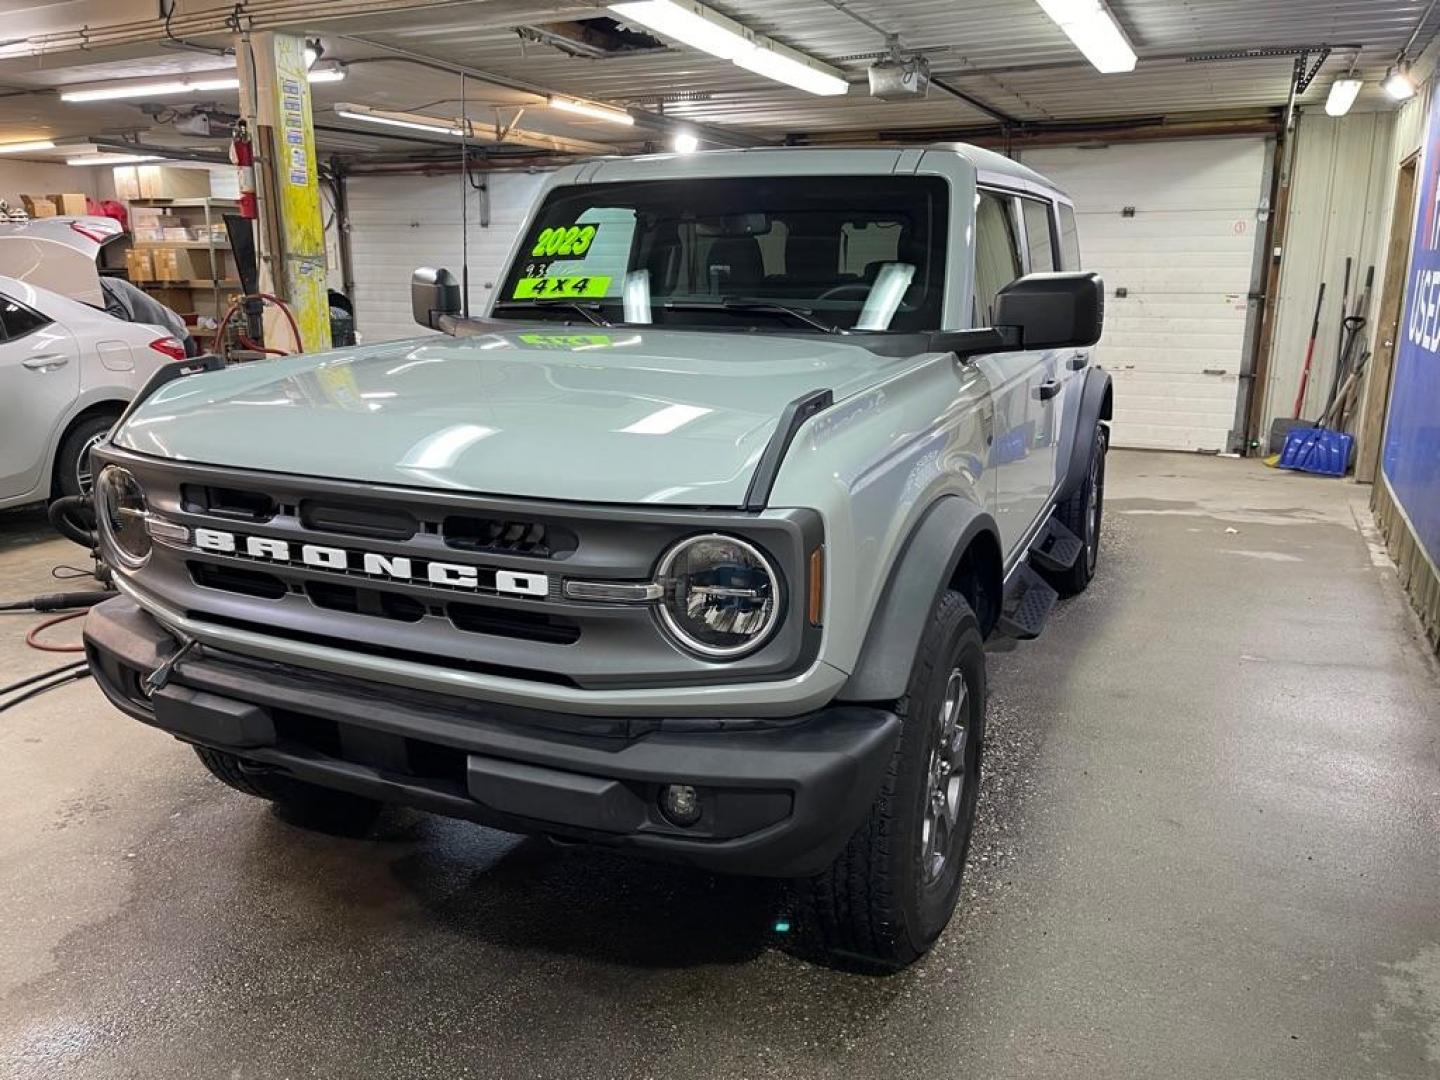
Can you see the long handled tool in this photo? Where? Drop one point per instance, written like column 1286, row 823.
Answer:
column 1309, row 353
column 1338, row 413
column 1351, row 326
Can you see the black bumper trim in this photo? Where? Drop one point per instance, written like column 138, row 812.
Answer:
column 782, row 796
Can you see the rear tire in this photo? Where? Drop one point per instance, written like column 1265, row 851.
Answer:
column 1082, row 514
column 308, row 805
column 892, row 890
column 72, row 462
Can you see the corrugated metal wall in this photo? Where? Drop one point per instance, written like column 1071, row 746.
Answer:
column 400, row 222
column 1338, row 209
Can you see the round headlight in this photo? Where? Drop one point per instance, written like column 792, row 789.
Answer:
column 120, row 505
column 722, row 596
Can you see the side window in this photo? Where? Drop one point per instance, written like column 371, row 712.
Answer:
column 1069, row 238
column 1039, row 236
column 18, row 320
column 997, row 252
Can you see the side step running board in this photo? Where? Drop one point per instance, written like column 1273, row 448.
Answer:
column 1057, row 550
column 1028, row 602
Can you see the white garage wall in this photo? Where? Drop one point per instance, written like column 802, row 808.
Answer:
column 400, row 222
column 1174, row 345
column 42, row 178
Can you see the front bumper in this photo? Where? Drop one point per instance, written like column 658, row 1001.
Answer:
column 780, row 796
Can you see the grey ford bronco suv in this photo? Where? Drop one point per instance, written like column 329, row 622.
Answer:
column 690, row 545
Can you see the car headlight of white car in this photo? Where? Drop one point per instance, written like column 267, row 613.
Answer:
column 721, row 595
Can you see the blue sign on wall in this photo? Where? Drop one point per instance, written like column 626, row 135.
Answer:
column 1412, row 435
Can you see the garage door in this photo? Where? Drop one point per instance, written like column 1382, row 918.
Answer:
column 400, row 222
column 1173, row 229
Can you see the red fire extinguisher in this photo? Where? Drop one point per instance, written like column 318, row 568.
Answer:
column 242, row 155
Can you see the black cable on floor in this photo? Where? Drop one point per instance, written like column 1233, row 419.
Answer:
column 62, row 669
column 74, row 676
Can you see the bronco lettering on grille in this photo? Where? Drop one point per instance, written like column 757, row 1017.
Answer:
column 374, row 564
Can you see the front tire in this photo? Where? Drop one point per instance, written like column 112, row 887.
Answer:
column 892, row 890
column 300, row 803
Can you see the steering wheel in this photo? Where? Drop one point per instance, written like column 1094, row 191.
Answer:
column 849, row 286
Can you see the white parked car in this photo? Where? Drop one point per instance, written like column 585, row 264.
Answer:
column 67, row 370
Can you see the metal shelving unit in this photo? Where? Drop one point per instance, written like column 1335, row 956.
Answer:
column 192, row 208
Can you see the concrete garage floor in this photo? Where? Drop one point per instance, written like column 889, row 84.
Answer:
column 1210, row 847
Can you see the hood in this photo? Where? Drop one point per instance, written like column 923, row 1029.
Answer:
column 58, row 253
column 617, row 415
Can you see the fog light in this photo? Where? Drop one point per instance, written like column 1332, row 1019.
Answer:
column 680, row 803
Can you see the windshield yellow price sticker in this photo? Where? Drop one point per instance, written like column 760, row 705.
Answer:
column 560, row 288
column 564, row 240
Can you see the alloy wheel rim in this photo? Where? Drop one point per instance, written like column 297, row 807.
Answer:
column 945, row 778
column 84, row 478
column 1092, row 513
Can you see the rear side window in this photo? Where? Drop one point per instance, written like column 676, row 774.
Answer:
column 18, row 320
column 1039, row 236
column 1069, row 238
column 997, row 252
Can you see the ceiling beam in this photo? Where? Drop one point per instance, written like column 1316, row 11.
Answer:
column 709, row 133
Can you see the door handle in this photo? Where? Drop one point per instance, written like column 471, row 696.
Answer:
column 1078, row 361
column 1048, row 389
column 47, row 362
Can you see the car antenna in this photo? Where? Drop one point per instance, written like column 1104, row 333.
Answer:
column 464, row 202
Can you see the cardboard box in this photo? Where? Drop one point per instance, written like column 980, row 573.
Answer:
column 70, row 205
column 37, row 207
column 186, row 264
column 127, row 182
column 160, row 182
column 139, row 266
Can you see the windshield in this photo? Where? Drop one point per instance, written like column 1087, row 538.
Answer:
column 804, row 253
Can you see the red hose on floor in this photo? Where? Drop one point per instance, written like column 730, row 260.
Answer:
column 33, row 637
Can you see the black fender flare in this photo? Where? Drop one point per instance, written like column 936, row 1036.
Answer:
column 923, row 571
column 1096, row 404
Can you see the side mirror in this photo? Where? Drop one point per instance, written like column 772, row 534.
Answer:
column 433, row 295
column 1053, row 311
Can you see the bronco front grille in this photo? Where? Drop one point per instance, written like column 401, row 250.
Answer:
column 448, row 578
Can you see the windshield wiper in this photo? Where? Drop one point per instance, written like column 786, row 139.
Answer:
column 740, row 303
column 592, row 313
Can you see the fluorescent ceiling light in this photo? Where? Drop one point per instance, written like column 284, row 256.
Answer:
column 435, row 125
column 787, row 66
column 26, row 147
column 594, row 111
column 700, row 28
column 1093, row 30
column 116, row 91
column 111, row 159
column 685, row 142
column 1343, row 93
column 690, row 24
column 335, row 73
column 1398, row 83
